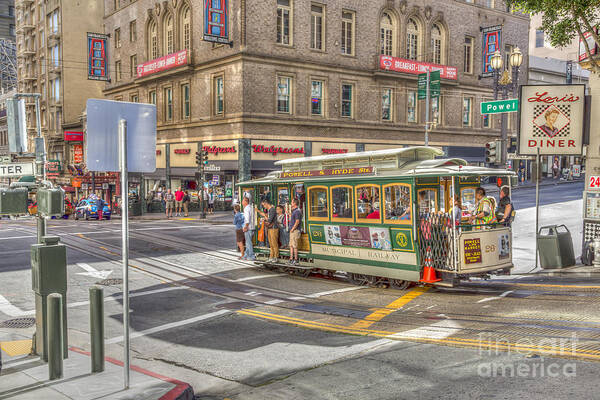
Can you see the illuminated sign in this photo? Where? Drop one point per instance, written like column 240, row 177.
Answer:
column 52, row 168
column 182, row 151
column 328, row 172
column 77, row 153
column 492, row 40
column 97, row 57
column 259, row 148
column 217, row 149
column 396, row 64
column 334, row 151
column 215, row 21
column 163, row 63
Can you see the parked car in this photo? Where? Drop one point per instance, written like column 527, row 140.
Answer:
column 87, row 209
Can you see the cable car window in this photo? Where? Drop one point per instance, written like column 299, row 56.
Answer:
column 283, row 196
column 467, row 197
column 397, row 200
column 342, row 205
column 367, row 203
column 427, row 200
column 249, row 193
column 265, row 194
column 299, row 194
column 318, row 199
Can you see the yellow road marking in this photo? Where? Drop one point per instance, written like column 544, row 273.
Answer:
column 16, row 347
column 463, row 342
column 81, row 236
column 108, row 251
column 381, row 313
column 187, row 219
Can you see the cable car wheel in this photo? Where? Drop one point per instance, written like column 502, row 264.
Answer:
column 363, row 280
column 399, row 284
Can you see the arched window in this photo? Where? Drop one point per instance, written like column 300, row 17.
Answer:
column 185, row 28
column 152, row 40
column 412, row 39
column 438, row 44
column 169, row 40
column 388, row 35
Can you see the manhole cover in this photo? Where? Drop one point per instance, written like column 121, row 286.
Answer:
column 18, row 323
column 110, row 282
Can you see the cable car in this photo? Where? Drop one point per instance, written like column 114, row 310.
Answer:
column 385, row 217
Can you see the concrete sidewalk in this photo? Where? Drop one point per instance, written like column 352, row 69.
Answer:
column 25, row 377
column 576, row 271
column 219, row 217
column 492, row 188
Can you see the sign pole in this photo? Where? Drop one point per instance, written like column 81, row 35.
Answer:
column 537, row 202
column 427, row 111
column 125, row 246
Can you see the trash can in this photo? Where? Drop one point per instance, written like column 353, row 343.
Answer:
column 555, row 247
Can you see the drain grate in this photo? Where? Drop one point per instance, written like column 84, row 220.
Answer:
column 18, row 323
column 110, row 282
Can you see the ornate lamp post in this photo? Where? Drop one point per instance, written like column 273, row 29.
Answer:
column 505, row 82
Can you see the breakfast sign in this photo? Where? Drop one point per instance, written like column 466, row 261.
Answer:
column 551, row 119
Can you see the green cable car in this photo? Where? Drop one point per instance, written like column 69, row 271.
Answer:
column 386, row 217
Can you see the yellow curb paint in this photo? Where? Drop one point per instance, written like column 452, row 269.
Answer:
column 381, row 313
column 16, row 347
column 187, row 219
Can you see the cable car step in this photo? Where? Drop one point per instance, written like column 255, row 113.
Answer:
column 283, row 264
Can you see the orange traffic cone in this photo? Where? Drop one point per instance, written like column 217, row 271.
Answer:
column 429, row 275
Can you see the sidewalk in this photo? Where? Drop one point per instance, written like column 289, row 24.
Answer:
column 25, row 377
column 576, row 271
column 492, row 188
column 219, row 217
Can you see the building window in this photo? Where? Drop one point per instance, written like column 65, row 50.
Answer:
column 185, row 104
column 284, row 89
column 117, row 38
column 218, row 93
column 348, row 32
column 133, row 66
column 152, row 97
column 152, row 41
column 117, row 4
column 412, row 39
column 168, row 104
column 468, row 55
column 316, row 98
column 284, row 22
column 387, row 100
column 53, row 22
column 539, row 38
column 436, row 110
column 134, row 98
column 169, row 46
column 42, row 38
column 467, row 111
column 347, row 98
column 185, row 28
column 508, row 49
column 11, row 30
column 411, row 106
column 54, row 51
column 118, row 70
column 486, row 119
column 489, row 3
column 438, row 44
column 133, row 31
column 387, row 27
column 317, row 26
column 55, row 87
column 11, row 11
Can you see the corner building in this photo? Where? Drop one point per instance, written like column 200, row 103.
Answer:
column 304, row 78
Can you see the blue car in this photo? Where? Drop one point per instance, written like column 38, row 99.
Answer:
column 87, row 209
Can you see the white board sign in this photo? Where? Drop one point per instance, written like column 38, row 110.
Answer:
column 551, row 119
column 16, row 169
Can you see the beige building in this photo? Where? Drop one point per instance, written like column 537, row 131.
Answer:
column 7, row 19
column 52, row 60
column 304, row 78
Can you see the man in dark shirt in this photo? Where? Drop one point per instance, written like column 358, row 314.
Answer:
column 272, row 229
column 505, row 207
column 295, row 225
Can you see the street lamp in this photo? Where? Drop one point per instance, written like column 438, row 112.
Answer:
column 505, row 83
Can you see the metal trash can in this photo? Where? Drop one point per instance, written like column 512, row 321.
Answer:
column 555, row 247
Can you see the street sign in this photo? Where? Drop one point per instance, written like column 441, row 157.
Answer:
column 16, row 169
column 435, row 84
column 499, row 106
column 5, row 159
column 102, row 139
column 16, row 120
column 422, row 86
column 212, row 168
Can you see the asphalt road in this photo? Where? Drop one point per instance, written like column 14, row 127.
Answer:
column 236, row 331
column 549, row 194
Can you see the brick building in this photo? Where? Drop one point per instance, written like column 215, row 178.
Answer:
column 304, row 78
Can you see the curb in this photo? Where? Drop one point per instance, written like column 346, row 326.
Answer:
column 181, row 391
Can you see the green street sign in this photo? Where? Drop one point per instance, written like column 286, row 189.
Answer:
column 422, row 86
column 499, row 106
column 435, row 84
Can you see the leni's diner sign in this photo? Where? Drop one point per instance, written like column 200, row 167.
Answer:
column 328, row 172
column 551, row 119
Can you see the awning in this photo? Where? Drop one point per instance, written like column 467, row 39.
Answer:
column 27, row 178
column 69, row 189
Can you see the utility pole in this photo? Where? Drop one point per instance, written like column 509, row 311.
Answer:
column 427, row 101
column 201, row 162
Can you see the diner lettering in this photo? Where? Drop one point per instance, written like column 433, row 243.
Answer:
column 544, row 98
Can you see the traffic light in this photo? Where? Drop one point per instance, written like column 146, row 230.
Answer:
column 198, row 159
column 492, row 152
column 205, row 157
column 512, row 148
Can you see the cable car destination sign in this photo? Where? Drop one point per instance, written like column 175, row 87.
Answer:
column 551, row 119
column 328, row 172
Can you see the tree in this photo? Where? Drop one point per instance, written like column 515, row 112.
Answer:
column 564, row 20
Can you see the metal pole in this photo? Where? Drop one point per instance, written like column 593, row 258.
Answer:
column 537, row 202
column 55, row 336
column 125, row 247
column 41, row 222
column 427, row 111
column 454, row 228
column 97, row 328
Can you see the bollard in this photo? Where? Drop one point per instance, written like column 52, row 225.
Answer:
column 55, row 336
column 97, row 328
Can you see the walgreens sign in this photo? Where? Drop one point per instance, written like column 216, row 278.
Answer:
column 163, row 63
column 259, row 148
column 396, row 64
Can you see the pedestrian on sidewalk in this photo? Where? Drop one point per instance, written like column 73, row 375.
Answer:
column 248, row 229
column 169, row 203
column 211, row 201
column 178, row 201
column 272, row 230
column 555, row 168
column 295, row 225
column 186, row 203
column 238, row 221
column 149, row 199
column 522, row 172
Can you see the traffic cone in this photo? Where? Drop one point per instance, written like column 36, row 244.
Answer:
column 429, row 275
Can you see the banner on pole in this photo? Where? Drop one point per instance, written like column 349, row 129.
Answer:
column 216, row 27
column 97, row 57
column 492, row 40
